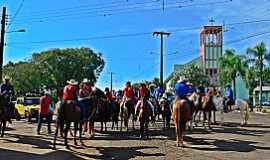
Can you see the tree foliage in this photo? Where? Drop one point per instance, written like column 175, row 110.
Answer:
column 54, row 67
column 231, row 64
column 193, row 74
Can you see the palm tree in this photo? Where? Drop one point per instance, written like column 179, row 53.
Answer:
column 258, row 55
column 230, row 64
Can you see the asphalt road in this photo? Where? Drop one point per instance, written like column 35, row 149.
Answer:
column 222, row 142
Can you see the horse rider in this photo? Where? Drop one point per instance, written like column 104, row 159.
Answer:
column 191, row 89
column 201, row 92
column 109, row 97
column 128, row 94
column 44, row 111
column 145, row 95
column 182, row 89
column 229, row 100
column 84, row 100
column 7, row 91
column 159, row 92
column 70, row 92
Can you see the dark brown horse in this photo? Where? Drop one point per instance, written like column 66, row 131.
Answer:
column 127, row 109
column 166, row 112
column 6, row 109
column 115, row 113
column 181, row 115
column 144, row 118
column 68, row 112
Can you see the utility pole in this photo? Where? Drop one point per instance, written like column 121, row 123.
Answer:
column 111, row 75
column 161, row 34
column 2, row 42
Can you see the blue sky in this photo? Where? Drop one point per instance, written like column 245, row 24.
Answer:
column 130, row 58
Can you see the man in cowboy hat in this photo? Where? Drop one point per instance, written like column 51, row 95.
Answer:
column 7, row 90
column 84, row 101
column 70, row 92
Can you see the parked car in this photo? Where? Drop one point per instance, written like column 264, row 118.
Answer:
column 28, row 107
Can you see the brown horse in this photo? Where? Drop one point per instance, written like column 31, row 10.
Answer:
column 144, row 118
column 67, row 113
column 181, row 115
column 127, row 109
column 6, row 109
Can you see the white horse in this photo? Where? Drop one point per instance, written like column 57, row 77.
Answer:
column 240, row 104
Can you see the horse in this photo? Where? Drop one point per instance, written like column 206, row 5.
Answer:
column 103, row 110
column 181, row 115
column 68, row 112
column 165, row 111
column 6, row 109
column 144, row 118
column 115, row 113
column 127, row 109
column 202, row 104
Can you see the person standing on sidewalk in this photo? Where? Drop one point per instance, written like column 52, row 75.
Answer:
column 44, row 112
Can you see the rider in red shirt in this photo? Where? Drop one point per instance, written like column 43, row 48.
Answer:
column 145, row 94
column 70, row 91
column 128, row 91
column 108, row 95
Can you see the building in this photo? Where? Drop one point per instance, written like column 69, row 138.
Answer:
column 211, row 40
column 265, row 96
column 211, row 46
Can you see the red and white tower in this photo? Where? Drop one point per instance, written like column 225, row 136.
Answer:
column 211, row 43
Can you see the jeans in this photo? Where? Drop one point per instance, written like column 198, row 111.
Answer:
column 40, row 121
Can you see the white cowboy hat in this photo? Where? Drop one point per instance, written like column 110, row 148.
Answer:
column 85, row 80
column 72, row 82
column 181, row 79
column 6, row 78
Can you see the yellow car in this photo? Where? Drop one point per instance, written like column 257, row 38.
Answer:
column 28, row 107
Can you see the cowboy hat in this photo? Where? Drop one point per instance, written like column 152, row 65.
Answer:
column 85, row 80
column 182, row 79
column 6, row 78
column 72, row 82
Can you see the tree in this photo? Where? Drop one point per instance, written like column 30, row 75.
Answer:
column 231, row 64
column 193, row 74
column 54, row 67
column 258, row 57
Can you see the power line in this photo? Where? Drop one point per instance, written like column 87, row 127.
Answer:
column 248, row 37
column 16, row 14
column 115, row 12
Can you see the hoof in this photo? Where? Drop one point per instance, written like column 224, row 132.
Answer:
column 67, row 147
column 53, row 148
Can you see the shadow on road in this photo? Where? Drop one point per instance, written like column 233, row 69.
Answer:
column 203, row 144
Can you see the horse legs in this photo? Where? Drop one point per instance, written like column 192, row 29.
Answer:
column 66, row 134
column 101, row 127
column 55, row 135
column 141, row 129
column 209, row 119
column 75, row 132
column 214, row 116
column 105, row 126
column 4, row 123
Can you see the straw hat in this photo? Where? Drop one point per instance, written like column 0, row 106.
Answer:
column 85, row 80
column 6, row 78
column 72, row 82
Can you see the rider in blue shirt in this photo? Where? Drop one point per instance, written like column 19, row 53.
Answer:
column 159, row 92
column 229, row 100
column 181, row 89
